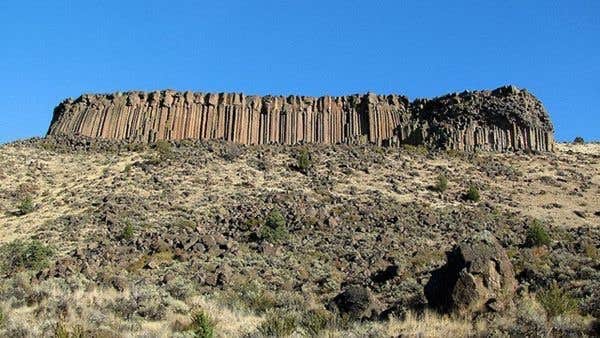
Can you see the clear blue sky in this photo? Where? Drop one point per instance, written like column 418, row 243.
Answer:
column 51, row 50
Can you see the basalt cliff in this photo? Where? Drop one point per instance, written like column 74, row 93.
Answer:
column 506, row 118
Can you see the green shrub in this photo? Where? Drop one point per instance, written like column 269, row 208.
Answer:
column 127, row 232
column 278, row 325
column 163, row 149
column 275, row 219
column 26, row 206
column 24, row 255
column 578, row 140
column 61, row 331
column 303, row 161
column 251, row 296
column 472, row 194
column 274, row 230
column 202, row 326
column 556, row 301
column 441, row 184
column 273, row 235
column 537, row 235
column 315, row 321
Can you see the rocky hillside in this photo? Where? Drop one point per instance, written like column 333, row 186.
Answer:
column 109, row 239
column 506, row 118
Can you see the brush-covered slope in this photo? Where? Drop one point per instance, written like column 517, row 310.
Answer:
column 120, row 239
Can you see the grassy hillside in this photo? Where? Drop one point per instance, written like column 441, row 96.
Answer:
column 103, row 239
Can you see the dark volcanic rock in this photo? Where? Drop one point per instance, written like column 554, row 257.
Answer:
column 356, row 301
column 504, row 118
column 478, row 277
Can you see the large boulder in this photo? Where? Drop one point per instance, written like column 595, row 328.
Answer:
column 478, row 277
column 356, row 302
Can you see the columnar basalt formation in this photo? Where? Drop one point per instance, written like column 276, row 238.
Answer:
column 504, row 119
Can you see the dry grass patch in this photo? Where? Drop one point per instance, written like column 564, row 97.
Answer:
column 431, row 325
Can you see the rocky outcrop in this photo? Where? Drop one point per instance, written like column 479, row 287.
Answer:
column 504, row 119
column 478, row 277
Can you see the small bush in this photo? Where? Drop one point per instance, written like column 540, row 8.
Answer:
column 185, row 223
column 578, row 140
column 278, row 325
column 537, row 235
column 24, row 255
column 261, row 163
column 251, row 296
column 202, row 326
column 590, row 250
column 315, row 321
column 231, row 152
column 275, row 219
column 163, row 149
column 472, row 194
column 150, row 302
column 61, row 331
column 303, row 161
column 25, row 190
column 557, row 301
column 136, row 146
column 273, row 235
column 138, row 264
column 179, row 288
column 441, row 184
column 415, row 149
column 26, row 206
column 274, row 230
column 127, row 232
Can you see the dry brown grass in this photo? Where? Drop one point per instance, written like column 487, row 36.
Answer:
column 93, row 311
column 90, row 311
column 431, row 324
column 428, row 324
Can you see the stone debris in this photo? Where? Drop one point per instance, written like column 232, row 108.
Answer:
column 506, row 118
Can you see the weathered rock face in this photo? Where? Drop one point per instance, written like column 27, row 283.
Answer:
column 478, row 277
column 503, row 119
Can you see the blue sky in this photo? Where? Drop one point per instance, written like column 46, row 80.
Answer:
column 51, row 50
